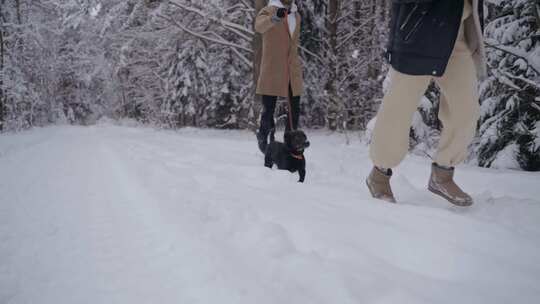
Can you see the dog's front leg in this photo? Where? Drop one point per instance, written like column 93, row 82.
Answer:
column 302, row 173
column 268, row 162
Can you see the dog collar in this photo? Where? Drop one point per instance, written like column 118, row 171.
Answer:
column 297, row 156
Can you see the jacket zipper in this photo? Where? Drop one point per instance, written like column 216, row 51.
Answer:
column 409, row 16
column 416, row 26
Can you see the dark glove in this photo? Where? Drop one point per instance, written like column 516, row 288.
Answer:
column 281, row 12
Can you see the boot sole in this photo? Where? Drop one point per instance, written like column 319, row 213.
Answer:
column 439, row 193
column 381, row 199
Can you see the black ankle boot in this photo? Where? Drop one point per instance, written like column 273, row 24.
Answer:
column 262, row 140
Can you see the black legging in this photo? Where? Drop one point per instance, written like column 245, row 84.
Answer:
column 269, row 107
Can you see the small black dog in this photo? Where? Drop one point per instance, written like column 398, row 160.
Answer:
column 289, row 155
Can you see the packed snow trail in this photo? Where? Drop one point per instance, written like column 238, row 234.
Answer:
column 110, row 214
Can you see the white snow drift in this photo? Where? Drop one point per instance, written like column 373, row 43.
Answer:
column 111, row 214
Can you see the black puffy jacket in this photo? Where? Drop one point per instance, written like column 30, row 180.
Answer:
column 423, row 34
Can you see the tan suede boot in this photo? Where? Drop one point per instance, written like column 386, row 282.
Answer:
column 442, row 183
column 378, row 183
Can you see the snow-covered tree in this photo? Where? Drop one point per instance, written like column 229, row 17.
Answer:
column 210, row 83
column 343, row 43
column 175, row 63
column 24, row 77
column 510, row 117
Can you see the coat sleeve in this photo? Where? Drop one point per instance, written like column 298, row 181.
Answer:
column 264, row 22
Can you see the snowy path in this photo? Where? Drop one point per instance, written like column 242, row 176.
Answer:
column 112, row 214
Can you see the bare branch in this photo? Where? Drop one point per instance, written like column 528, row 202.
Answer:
column 235, row 47
column 225, row 23
column 535, row 66
column 215, row 40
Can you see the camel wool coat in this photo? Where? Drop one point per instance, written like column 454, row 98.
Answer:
column 280, row 64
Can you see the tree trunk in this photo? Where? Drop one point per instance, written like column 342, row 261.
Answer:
column 536, row 12
column 18, row 6
column 374, row 68
column 2, row 94
column 335, row 106
column 257, row 44
column 257, row 56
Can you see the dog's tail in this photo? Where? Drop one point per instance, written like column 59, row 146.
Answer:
column 272, row 135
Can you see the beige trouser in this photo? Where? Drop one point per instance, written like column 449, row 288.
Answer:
column 458, row 112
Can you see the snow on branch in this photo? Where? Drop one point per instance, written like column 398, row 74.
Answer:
column 353, row 33
column 218, row 40
column 528, row 57
column 221, row 21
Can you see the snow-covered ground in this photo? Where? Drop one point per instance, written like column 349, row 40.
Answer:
column 110, row 214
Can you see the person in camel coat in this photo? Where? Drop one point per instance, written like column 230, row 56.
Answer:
column 281, row 71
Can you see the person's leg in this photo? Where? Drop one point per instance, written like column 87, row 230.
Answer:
column 390, row 141
column 267, row 116
column 267, row 121
column 458, row 112
column 294, row 109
